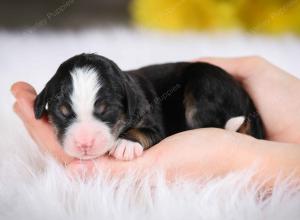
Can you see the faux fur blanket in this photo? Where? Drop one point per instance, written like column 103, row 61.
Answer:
column 35, row 187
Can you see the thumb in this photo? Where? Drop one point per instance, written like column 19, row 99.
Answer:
column 19, row 87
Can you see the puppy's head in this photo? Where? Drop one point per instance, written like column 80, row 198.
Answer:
column 88, row 101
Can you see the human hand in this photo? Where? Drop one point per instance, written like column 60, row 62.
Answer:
column 43, row 134
column 163, row 155
column 40, row 130
column 210, row 151
column 275, row 94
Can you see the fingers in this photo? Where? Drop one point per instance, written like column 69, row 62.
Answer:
column 24, row 107
column 239, row 67
column 110, row 166
column 81, row 168
column 19, row 88
column 228, row 64
column 40, row 130
column 25, row 95
column 88, row 168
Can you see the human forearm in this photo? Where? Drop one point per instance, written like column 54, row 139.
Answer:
column 215, row 152
column 275, row 158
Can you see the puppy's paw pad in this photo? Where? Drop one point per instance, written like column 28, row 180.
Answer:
column 127, row 150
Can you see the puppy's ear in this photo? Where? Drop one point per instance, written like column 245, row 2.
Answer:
column 40, row 103
column 131, row 101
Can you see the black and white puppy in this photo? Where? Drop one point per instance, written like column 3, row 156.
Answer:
column 96, row 108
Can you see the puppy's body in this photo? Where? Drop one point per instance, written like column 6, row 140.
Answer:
column 97, row 108
column 198, row 95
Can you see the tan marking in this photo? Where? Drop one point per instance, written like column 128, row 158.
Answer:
column 64, row 110
column 245, row 128
column 140, row 137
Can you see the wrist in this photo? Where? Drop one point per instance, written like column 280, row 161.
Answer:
column 241, row 151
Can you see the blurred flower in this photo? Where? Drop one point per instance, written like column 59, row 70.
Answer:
column 272, row 16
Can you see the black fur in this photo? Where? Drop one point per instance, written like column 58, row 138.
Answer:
column 152, row 100
column 218, row 96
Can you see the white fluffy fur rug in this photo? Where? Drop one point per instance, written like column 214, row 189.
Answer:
column 35, row 187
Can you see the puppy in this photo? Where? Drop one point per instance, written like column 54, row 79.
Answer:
column 96, row 108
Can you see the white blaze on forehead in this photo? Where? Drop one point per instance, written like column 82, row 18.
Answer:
column 85, row 87
column 87, row 137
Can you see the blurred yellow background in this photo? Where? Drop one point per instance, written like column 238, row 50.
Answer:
column 258, row 16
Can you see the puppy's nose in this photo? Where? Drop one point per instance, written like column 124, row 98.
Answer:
column 85, row 145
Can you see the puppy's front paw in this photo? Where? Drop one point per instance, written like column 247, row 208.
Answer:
column 126, row 150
